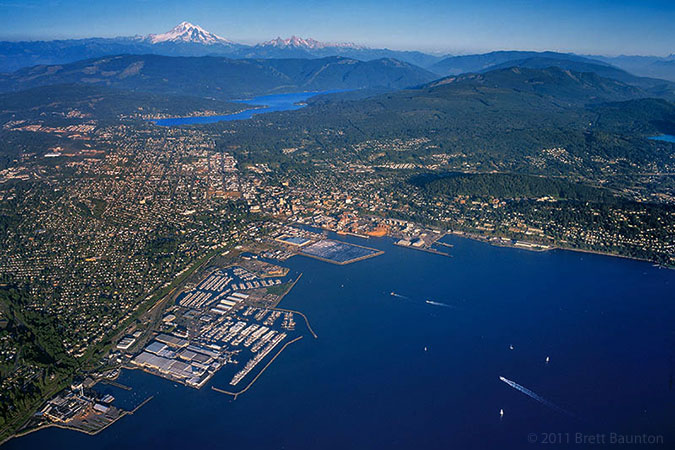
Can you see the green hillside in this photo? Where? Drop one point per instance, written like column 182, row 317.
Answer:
column 219, row 77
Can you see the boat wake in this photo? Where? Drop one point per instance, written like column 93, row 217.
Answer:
column 428, row 302
column 535, row 396
column 444, row 305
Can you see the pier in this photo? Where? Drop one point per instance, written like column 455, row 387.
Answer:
column 116, row 384
column 424, row 249
column 236, row 394
column 301, row 314
column 142, row 404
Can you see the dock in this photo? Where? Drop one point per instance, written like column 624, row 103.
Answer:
column 301, row 314
column 425, row 249
column 236, row 394
column 116, row 384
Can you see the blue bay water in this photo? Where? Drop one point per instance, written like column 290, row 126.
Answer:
column 367, row 382
column 269, row 103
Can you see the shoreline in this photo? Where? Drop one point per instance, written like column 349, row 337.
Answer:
column 614, row 255
column 153, row 119
column 552, row 247
column 71, row 428
column 425, row 249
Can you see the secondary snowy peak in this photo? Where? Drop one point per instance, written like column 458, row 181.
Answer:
column 309, row 43
column 188, row 33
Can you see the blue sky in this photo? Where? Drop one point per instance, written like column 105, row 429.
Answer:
column 591, row 26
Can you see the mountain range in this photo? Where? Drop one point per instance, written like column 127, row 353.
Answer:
column 510, row 99
column 222, row 78
column 651, row 86
column 187, row 39
column 219, row 77
column 497, row 119
column 455, row 65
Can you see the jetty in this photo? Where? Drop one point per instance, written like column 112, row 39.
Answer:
column 236, row 394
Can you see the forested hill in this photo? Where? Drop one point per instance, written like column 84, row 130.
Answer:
column 496, row 104
column 509, row 186
column 550, row 84
column 219, row 77
column 499, row 117
column 652, row 86
column 454, row 65
column 101, row 102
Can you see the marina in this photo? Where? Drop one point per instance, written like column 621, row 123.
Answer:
column 226, row 321
column 222, row 320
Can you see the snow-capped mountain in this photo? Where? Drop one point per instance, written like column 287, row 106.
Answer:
column 297, row 47
column 301, row 43
column 187, row 39
column 185, row 32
